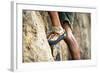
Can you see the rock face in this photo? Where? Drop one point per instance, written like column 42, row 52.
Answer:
column 37, row 26
column 35, row 45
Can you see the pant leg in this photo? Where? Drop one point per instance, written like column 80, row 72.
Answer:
column 67, row 17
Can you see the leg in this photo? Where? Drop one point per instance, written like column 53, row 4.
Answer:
column 54, row 18
column 72, row 43
column 56, row 25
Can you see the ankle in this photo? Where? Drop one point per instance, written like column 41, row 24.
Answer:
column 58, row 29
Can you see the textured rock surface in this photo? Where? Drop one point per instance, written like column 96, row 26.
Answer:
column 36, row 27
column 35, row 45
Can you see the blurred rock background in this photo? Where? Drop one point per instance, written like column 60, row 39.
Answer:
column 37, row 26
